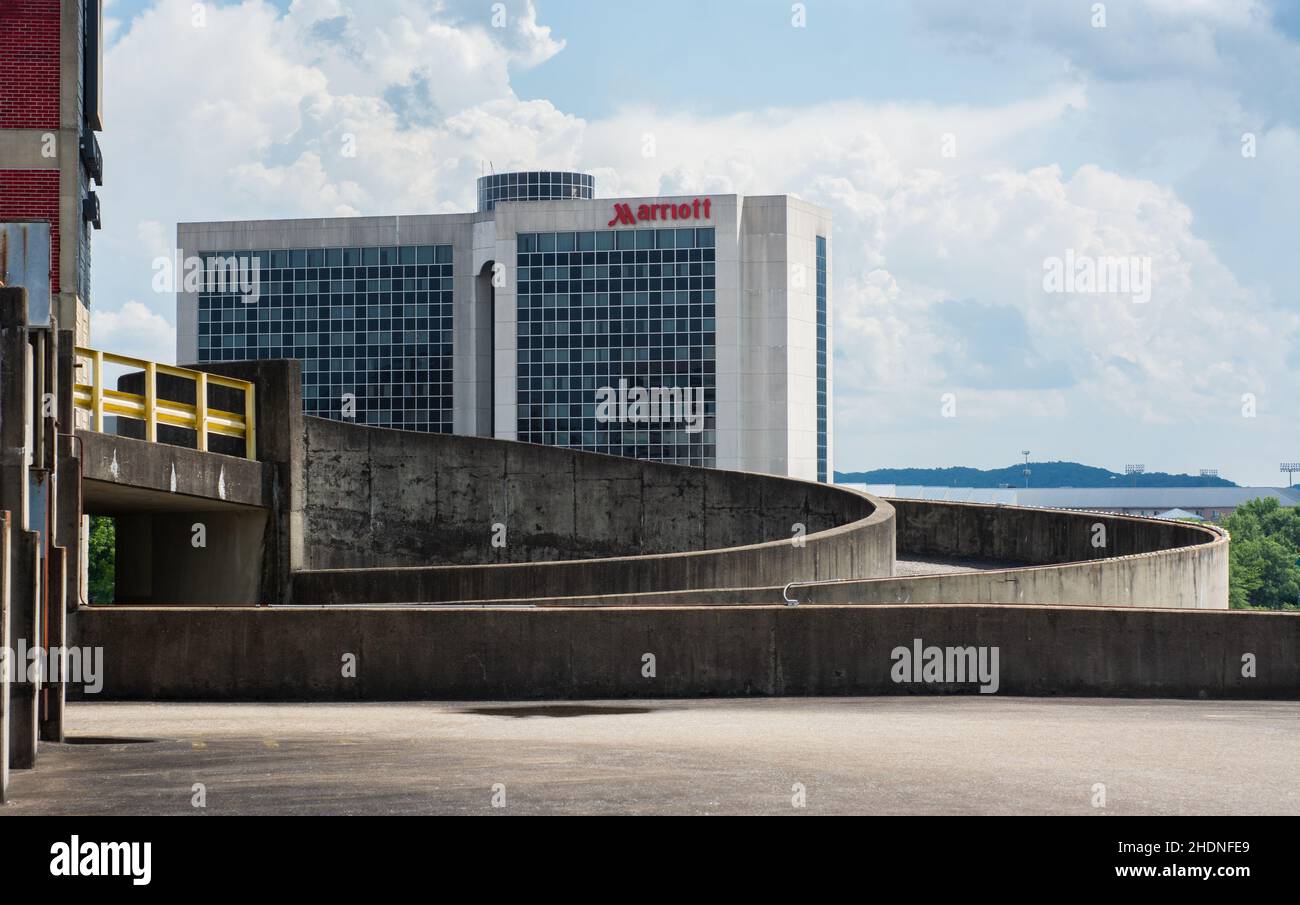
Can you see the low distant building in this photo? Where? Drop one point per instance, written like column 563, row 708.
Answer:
column 1181, row 515
column 1211, row 503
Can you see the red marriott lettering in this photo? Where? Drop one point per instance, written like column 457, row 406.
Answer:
column 689, row 211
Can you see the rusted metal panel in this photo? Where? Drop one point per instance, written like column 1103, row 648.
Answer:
column 25, row 261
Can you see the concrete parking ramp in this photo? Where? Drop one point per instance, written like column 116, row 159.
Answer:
column 404, row 516
column 557, row 573
column 1078, row 559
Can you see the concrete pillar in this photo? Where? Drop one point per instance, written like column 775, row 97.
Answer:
column 68, row 525
column 281, row 439
column 24, row 634
column 4, row 648
column 53, row 695
column 16, row 434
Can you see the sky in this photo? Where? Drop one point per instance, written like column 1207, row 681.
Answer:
column 964, row 150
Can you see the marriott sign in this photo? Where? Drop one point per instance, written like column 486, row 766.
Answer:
column 693, row 210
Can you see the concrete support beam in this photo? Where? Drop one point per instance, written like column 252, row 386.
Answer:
column 68, row 522
column 192, row 477
column 281, row 446
column 16, row 437
column 53, row 694
column 5, row 519
column 24, row 634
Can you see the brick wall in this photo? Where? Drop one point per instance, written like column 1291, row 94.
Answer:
column 29, row 64
column 33, row 195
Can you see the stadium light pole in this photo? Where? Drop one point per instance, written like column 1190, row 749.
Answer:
column 1025, row 453
column 1290, row 468
column 1134, row 470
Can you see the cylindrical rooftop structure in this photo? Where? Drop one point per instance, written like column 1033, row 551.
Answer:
column 533, row 185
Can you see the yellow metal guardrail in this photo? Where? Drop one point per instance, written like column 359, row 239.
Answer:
column 100, row 400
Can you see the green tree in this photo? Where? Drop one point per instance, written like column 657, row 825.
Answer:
column 1262, row 558
column 103, row 558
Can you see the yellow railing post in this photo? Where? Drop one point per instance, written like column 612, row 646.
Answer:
column 97, row 393
column 201, row 409
column 153, row 410
column 250, row 422
column 150, row 401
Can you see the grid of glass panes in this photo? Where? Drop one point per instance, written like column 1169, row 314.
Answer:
column 821, row 360
column 598, row 306
column 373, row 322
column 533, row 186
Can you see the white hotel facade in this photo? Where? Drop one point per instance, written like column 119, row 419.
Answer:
column 516, row 320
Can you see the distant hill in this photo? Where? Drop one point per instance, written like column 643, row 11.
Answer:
column 1042, row 474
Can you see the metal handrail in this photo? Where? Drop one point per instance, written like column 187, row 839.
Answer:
column 201, row 418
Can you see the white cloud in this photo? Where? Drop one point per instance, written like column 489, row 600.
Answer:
column 249, row 117
column 133, row 330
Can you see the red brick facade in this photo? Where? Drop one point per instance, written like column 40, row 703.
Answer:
column 29, row 99
column 33, row 195
column 29, row 64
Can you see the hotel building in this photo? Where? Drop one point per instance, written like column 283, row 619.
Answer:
column 690, row 329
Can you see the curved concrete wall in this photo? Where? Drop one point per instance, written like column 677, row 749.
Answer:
column 1034, row 536
column 1143, row 562
column 1168, row 565
column 397, row 516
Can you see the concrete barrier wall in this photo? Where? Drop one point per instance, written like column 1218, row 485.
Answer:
column 462, row 654
column 119, row 468
column 1164, row 565
column 1034, row 536
column 1113, row 560
column 389, row 514
column 379, row 497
